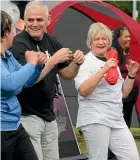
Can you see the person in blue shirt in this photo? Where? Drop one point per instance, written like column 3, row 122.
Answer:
column 15, row 142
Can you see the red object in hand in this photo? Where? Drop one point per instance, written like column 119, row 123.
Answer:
column 112, row 75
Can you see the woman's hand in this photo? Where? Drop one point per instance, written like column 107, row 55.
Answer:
column 31, row 57
column 36, row 58
column 132, row 68
column 109, row 64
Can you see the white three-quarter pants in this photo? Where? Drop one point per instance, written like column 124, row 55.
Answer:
column 99, row 138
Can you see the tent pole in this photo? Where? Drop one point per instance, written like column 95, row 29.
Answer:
column 135, row 12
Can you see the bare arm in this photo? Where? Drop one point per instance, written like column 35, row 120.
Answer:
column 88, row 86
column 72, row 69
column 127, row 86
column 69, row 72
column 61, row 56
column 50, row 64
column 133, row 68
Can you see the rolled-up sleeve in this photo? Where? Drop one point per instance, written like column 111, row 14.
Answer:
column 32, row 80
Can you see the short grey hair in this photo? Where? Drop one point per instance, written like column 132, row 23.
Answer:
column 97, row 28
column 36, row 4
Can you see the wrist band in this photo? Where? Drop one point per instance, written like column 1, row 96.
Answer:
column 131, row 77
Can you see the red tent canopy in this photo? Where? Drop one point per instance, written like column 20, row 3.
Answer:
column 102, row 12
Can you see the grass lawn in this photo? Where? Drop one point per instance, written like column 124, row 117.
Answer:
column 135, row 132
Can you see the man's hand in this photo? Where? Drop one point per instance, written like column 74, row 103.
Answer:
column 42, row 58
column 62, row 55
column 78, row 57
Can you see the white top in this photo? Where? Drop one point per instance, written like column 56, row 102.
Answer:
column 104, row 105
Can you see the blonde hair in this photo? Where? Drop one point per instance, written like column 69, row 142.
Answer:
column 97, row 28
column 36, row 4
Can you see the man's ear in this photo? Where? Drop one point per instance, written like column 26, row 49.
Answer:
column 49, row 19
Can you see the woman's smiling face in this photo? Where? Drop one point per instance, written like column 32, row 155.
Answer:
column 124, row 39
column 100, row 44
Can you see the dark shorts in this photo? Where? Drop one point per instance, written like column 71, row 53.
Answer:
column 16, row 145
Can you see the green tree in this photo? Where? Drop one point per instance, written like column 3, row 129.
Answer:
column 126, row 6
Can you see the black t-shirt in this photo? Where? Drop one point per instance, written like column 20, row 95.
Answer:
column 37, row 100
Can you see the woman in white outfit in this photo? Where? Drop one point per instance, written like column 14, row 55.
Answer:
column 100, row 116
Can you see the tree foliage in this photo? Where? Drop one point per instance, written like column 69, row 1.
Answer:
column 126, row 6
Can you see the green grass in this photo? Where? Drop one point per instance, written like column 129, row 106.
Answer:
column 135, row 131
column 80, row 139
column 81, row 142
column 136, row 134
